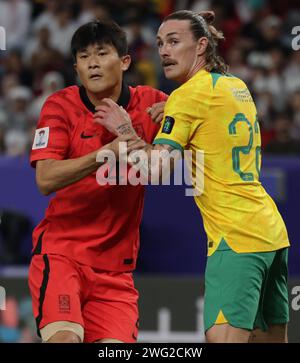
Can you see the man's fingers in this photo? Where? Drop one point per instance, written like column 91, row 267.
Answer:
column 135, row 143
column 158, row 117
column 110, row 102
column 102, row 107
column 99, row 120
column 137, row 146
column 156, row 111
column 99, row 114
column 127, row 137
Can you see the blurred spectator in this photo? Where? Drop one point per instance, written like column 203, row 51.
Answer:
column 15, row 18
column 92, row 9
column 16, row 322
column 52, row 82
column 16, row 142
column 14, row 65
column 265, row 109
column 3, row 119
column 291, row 74
column 295, row 112
column 164, row 8
column 246, row 9
column 238, row 67
column 250, row 31
column 45, row 59
column 200, row 5
column 270, row 33
column 283, row 142
column 47, row 18
column 9, row 321
column 38, row 42
column 140, row 37
column 17, row 123
column 270, row 79
column 18, row 102
column 63, row 29
column 9, row 81
column 257, row 48
column 141, row 41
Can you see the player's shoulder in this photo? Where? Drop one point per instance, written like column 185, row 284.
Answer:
column 61, row 96
column 186, row 92
column 228, row 85
column 200, row 82
column 191, row 95
column 226, row 79
column 144, row 91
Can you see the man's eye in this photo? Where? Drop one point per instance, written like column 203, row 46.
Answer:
column 159, row 44
column 83, row 56
column 102, row 54
column 174, row 41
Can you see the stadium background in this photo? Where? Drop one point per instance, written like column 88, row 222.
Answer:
column 36, row 62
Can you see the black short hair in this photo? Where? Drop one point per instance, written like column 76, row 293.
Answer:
column 99, row 32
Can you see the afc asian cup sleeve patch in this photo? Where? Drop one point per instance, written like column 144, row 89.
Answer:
column 41, row 138
column 168, row 125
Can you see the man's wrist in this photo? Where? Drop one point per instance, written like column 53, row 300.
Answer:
column 125, row 129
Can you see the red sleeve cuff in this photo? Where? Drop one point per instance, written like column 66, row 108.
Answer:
column 44, row 156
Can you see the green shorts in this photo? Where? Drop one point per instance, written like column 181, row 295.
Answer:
column 246, row 290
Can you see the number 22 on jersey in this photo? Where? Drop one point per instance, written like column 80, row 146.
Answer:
column 245, row 149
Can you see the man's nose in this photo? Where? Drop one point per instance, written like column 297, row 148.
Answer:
column 164, row 51
column 93, row 62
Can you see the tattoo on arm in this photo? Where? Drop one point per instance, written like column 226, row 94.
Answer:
column 125, row 129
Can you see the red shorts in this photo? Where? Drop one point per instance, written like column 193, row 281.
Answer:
column 103, row 303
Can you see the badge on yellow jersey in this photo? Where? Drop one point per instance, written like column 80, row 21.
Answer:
column 168, row 125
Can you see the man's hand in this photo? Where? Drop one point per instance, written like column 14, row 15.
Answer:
column 114, row 118
column 133, row 143
column 156, row 112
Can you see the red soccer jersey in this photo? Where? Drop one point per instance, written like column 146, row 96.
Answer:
column 94, row 225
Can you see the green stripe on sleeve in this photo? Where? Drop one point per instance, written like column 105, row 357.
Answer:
column 168, row 142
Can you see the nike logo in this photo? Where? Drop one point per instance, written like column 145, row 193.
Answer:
column 83, row 136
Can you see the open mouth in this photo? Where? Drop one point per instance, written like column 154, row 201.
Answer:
column 95, row 77
column 168, row 63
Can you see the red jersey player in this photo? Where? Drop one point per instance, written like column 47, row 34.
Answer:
column 85, row 248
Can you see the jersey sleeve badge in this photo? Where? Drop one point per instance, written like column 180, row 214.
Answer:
column 168, row 125
column 41, row 138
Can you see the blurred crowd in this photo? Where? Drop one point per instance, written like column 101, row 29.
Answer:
column 258, row 48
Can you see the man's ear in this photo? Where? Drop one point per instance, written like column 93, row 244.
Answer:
column 126, row 61
column 202, row 45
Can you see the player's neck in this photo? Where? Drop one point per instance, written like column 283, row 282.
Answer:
column 113, row 93
column 200, row 65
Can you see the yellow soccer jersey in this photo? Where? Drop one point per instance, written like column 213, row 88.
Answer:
column 216, row 114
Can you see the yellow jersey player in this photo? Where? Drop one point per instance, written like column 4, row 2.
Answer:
column 246, row 296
